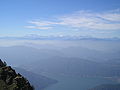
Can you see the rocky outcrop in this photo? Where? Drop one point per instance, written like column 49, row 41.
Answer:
column 10, row 80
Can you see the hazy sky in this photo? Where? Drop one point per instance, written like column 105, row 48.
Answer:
column 97, row 18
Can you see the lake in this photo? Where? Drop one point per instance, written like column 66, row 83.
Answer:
column 76, row 83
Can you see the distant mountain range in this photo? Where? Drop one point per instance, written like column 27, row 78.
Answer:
column 38, row 37
column 41, row 60
column 65, row 62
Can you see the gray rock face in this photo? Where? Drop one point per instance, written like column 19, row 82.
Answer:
column 10, row 80
column 2, row 64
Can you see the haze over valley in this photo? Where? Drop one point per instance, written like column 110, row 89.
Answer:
column 66, row 61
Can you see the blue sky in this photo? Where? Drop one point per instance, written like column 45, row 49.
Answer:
column 97, row 18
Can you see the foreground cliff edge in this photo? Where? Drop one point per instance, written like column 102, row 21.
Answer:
column 10, row 80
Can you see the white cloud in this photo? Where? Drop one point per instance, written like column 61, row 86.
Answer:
column 111, row 16
column 42, row 23
column 83, row 19
column 37, row 27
